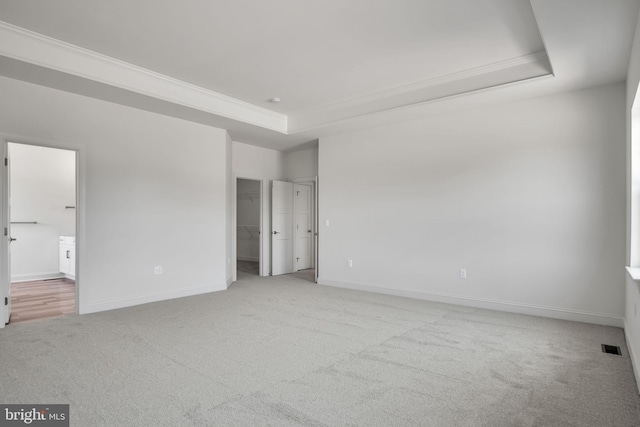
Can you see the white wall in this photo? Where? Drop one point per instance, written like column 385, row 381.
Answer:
column 251, row 160
column 301, row 163
column 42, row 185
column 153, row 188
column 528, row 197
column 262, row 164
column 248, row 220
column 269, row 165
column 632, row 291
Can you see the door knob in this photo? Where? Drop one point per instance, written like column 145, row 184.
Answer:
column 308, row 231
column 11, row 239
column 276, row 232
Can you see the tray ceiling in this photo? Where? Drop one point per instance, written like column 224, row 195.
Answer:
column 328, row 61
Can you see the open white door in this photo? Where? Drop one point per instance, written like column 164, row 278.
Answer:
column 282, row 228
column 6, row 241
column 303, row 226
column 315, row 228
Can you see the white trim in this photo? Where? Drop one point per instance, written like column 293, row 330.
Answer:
column 542, row 36
column 18, row 278
column 632, row 355
column 5, row 279
column 371, row 104
column 145, row 299
column 31, row 47
column 317, row 234
column 358, row 120
column 533, row 58
column 485, row 303
column 634, row 272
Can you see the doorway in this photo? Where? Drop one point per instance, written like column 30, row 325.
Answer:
column 40, row 206
column 248, row 229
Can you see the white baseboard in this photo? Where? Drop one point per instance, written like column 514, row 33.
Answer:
column 532, row 310
column 633, row 354
column 229, row 281
column 249, row 258
column 36, row 276
column 145, row 299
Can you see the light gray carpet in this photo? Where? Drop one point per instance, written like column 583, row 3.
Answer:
column 283, row 351
column 251, row 267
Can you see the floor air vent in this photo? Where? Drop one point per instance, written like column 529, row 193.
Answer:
column 611, row 349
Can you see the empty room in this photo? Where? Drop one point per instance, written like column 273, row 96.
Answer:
column 320, row 213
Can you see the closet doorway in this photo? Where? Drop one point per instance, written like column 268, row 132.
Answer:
column 248, row 227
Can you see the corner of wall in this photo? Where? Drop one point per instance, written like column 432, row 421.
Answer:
column 229, row 208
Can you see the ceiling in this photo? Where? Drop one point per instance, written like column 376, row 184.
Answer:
column 336, row 65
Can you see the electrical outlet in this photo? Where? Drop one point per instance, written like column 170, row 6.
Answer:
column 350, row 262
column 157, row 269
column 463, row 273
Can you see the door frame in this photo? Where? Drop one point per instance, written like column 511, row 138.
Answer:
column 80, row 213
column 264, row 270
column 312, row 181
column 5, row 280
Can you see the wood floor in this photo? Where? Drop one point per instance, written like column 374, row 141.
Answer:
column 42, row 299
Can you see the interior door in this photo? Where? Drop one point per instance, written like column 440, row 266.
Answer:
column 282, row 228
column 6, row 242
column 316, row 223
column 303, row 228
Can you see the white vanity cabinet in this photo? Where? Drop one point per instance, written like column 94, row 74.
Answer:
column 68, row 256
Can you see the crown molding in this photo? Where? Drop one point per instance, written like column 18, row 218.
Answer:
column 28, row 46
column 505, row 92
column 441, row 87
column 533, row 58
column 33, row 48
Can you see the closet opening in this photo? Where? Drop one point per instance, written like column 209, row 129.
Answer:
column 248, row 248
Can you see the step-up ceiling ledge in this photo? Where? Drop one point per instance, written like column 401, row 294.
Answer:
column 46, row 53
column 30, row 47
column 468, row 81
